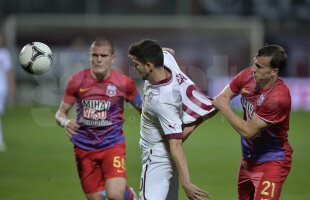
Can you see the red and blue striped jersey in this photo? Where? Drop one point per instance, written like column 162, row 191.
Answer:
column 99, row 108
column 273, row 105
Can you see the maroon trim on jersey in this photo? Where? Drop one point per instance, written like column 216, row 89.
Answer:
column 189, row 94
column 190, row 111
column 165, row 81
column 174, row 136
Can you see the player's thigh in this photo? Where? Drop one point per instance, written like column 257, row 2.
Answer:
column 89, row 171
column 113, row 163
column 246, row 188
column 158, row 181
column 271, row 180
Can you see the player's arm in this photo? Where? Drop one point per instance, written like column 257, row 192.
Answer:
column 189, row 128
column 132, row 95
column 248, row 129
column 137, row 103
column 61, row 117
column 169, row 118
column 178, row 156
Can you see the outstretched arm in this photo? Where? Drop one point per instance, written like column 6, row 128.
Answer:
column 178, row 156
column 248, row 129
column 61, row 118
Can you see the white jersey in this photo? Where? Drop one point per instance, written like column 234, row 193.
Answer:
column 169, row 104
column 5, row 65
column 166, row 106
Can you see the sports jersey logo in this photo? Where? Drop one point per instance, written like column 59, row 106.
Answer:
column 82, row 90
column 111, row 90
column 172, row 126
column 245, row 91
column 260, row 100
column 180, row 78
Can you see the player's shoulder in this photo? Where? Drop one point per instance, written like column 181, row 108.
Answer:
column 81, row 74
column 279, row 95
column 283, row 91
column 78, row 77
column 282, row 86
column 170, row 93
column 119, row 75
column 245, row 73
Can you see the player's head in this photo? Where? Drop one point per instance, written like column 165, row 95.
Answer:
column 147, row 51
column 267, row 63
column 276, row 53
column 146, row 55
column 101, row 57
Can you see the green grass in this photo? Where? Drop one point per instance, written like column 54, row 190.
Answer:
column 39, row 162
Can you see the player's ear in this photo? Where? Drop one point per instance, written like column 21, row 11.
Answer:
column 113, row 57
column 149, row 66
column 275, row 70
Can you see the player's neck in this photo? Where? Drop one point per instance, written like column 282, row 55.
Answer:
column 158, row 75
column 100, row 76
column 267, row 84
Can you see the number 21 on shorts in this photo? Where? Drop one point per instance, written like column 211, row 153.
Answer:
column 268, row 189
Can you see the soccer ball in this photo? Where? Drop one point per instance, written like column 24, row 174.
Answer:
column 36, row 58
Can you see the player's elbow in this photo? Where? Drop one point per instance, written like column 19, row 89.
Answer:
column 249, row 135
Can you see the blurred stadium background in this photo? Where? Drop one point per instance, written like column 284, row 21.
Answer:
column 214, row 39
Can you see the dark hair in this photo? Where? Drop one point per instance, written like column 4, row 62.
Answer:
column 147, row 51
column 277, row 54
column 99, row 42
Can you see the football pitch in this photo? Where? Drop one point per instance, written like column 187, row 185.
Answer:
column 39, row 162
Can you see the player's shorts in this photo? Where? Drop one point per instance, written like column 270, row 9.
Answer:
column 94, row 167
column 159, row 177
column 262, row 181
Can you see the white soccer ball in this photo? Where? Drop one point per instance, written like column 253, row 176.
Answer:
column 36, row 58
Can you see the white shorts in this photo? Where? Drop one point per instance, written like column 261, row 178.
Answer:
column 159, row 177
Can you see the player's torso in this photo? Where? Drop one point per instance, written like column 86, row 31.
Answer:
column 99, row 110
column 270, row 144
column 151, row 132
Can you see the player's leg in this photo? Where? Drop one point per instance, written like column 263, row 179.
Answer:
column 130, row 194
column 115, row 188
column 114, row 168
column 90, row 174
column 246, row 188
column 269, row 179
column 157, row 177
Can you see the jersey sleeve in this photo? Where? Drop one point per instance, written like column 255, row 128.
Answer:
column 131, row 93
column 276, row 107
column 170, row 121
column 239, row 80
column 71, row 91
column 170, row 62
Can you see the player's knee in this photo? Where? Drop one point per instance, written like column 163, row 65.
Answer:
column 116, row 194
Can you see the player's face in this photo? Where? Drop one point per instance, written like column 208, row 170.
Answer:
column 101, row 59
column 142, row 69
column 262, row 71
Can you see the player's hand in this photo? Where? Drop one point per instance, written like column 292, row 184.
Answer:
column 195, row 193
column 71, row 127
column 169, row 50
column 220, row 102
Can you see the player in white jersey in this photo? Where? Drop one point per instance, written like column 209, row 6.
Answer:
column 7, row 84
column 170, row 99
